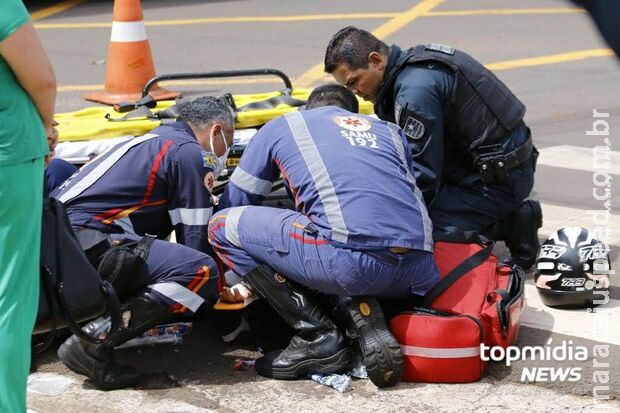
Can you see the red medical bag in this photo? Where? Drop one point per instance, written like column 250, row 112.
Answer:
column 476, row 301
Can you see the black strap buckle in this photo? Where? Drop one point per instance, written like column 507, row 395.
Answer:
column 491, row 163
column 311, row 230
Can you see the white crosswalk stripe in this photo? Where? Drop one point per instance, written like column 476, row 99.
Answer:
column 556, row 217
column 580, row 158
column 600, row 325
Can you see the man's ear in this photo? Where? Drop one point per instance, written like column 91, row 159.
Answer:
column 215, row 128
column 376, row 59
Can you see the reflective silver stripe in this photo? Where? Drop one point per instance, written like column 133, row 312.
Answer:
column 322, row 181
column 231, row 230
column 250, row 183
column 426, row 221
column 176, row 292
column 193, row 216
column 102, row 168
column 440, row 353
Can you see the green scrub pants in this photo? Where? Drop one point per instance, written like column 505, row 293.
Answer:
column 21, row 192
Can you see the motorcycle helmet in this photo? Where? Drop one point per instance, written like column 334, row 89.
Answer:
column 572, row 269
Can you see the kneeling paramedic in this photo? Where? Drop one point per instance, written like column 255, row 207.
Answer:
column 151, row 184
column 360, row 229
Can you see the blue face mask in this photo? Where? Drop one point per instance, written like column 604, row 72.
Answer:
column 221, row 160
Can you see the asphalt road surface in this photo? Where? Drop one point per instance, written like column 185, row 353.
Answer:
column 547, row 51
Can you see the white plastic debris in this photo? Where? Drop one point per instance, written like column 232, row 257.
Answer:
column 339, row 382
column 48, row 384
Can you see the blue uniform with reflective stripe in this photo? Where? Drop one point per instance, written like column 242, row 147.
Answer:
column 350, row 174
column 152, row 184
column 148, row 185
column 356, row 200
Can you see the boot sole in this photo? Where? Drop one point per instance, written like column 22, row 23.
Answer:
column 383, row 357
column 331, row 364
column 65, row 355
column 73, row 363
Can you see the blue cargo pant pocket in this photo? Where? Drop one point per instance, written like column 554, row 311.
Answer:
column 267, row 227
column 353, row 276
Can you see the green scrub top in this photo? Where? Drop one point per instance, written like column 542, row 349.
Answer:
column 22, row 135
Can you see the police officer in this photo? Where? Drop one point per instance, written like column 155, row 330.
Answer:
column 360, row 229
column 152, row 184
column 473, row 155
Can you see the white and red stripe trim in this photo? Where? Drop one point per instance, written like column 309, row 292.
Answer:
column 440, row 353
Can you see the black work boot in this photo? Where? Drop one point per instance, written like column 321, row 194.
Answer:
column 96, row 361
column 366, row 325
column 317, row 347
column 520, row 233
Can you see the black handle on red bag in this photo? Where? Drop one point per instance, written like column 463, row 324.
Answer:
column 454, row 275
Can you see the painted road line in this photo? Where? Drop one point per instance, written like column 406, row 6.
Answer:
column 228, row 20
column 310, row 17
column 556, row 217
column 550, row 59
column 581, row 158
column 55, row 9
column 600, row 325
column 316, row 73
column 504, row 12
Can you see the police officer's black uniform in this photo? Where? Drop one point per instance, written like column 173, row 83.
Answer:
column 473, row 154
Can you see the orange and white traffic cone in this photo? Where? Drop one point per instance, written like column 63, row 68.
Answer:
column 130, row 64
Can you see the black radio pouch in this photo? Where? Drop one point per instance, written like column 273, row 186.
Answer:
column 124, row 264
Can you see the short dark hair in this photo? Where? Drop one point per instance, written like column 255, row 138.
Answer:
column 352, row 46
column 203, row 111
column 333, row 95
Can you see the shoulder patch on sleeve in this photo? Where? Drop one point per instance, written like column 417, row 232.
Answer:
column 437, row 47
column 414, row 128
column 209, row 160
column 209, row 181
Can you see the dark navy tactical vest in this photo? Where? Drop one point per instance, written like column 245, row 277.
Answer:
column 484, row 108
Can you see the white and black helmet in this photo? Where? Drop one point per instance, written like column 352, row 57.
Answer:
column 572, row 269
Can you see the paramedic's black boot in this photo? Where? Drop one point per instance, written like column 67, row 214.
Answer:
column 520, row 233
column 96, row 361
column 318, row 346
column 367, row 326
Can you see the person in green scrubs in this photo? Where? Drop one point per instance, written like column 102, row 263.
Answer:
column 27, row 133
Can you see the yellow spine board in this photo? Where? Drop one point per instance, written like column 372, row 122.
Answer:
column 91, row 123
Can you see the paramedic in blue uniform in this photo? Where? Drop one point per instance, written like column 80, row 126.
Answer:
column 57, row 171
column 473, row 154
column 360, row 229
column 152, row 184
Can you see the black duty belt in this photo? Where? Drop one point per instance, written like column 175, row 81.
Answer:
column 494, row 165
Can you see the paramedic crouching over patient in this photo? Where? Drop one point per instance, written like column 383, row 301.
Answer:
column 149, row 185
column 361, row 229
